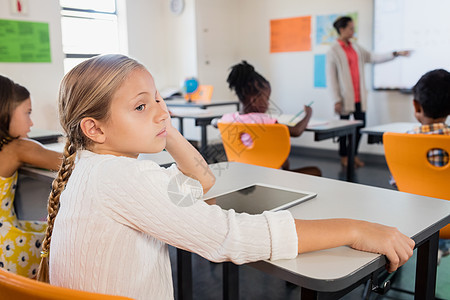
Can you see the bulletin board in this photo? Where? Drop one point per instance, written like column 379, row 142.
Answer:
column 291, row 34
column 22, row 41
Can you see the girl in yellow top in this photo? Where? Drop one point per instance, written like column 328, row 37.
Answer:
column 20, row 241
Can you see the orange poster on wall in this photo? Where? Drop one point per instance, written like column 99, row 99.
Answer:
column 291, row 34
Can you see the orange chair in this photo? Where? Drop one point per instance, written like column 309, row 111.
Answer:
column 406, row 156
column 270, row 143
column 203, row 94
column 13, row 286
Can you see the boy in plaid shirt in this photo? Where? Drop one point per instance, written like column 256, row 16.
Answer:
column 431, row 108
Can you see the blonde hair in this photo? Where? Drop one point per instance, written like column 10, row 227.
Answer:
column 86, row 91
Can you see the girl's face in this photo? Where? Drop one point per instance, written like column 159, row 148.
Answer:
column 138, row 119
column 21, row 120
column 260, row 103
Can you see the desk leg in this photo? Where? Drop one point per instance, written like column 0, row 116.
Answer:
column 184, row 274
column 181, row 127
column 230, row 273
column 426, row 268
column 351, row 155
column 307, row 294
column 204, row 141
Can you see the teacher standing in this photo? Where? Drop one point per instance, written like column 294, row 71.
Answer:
column 345, row 72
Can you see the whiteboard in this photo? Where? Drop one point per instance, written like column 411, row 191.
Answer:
column 417, row 25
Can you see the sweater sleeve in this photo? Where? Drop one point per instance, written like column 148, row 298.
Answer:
column 332, row 77
column 167, row 205
column 381, row 57
column 375, row 58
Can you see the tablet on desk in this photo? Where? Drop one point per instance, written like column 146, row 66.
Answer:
column 258, row 198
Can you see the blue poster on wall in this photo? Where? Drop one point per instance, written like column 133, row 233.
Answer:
column 320, row 78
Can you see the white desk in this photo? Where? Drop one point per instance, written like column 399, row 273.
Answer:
column 198, row 111
column 34, row 184
column 337, row 128
column 323, row 130
column 203, row 119
column 162, row 158
column 44, row 136
column 181, row 102
column 333, row 272
column 375, row 133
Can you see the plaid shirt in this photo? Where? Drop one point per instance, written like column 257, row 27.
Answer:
column 437, row 157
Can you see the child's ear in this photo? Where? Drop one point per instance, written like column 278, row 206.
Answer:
column 92, row 129
column 417, row 106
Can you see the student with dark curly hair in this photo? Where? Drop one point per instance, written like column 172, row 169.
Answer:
column 253, row 91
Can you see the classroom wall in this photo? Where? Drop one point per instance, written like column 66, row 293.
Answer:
column 204, row 41
column 41, row 79
column 165, row 43
column 218, row 44
column 291, row 73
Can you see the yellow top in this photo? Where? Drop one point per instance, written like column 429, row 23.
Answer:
column 20, row 241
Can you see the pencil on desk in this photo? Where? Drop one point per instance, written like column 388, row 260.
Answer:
column 300, row 112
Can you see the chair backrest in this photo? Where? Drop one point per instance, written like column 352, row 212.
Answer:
column 266, row 145
column 203, row 93
column 406, row 156
column 13, row 286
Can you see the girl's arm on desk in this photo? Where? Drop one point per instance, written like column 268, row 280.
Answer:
column 298, row 128
column 33, row 153
column 188, row 159
column 360, row 235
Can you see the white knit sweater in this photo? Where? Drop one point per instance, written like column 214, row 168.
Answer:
column 116, row 217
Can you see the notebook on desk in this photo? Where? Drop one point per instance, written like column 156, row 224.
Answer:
column 257, row 198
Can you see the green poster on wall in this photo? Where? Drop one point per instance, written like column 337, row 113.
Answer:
column 24, row 41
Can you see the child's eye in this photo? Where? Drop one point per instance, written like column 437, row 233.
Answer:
column 140, row 107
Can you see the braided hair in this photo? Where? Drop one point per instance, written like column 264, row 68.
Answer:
column 86, row 91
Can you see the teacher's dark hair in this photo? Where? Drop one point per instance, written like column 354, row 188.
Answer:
column 341, row 22
column 432, row 91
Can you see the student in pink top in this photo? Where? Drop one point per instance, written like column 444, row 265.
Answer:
column 253, row 91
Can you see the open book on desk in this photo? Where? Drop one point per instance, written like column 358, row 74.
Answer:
column 315, row 124
column 285, row 118
column 288, row 119
column 192, row 111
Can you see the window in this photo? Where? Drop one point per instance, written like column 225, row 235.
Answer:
column 89, row 28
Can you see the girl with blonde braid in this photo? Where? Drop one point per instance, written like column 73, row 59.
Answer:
column 111, row 216
column 20, row 241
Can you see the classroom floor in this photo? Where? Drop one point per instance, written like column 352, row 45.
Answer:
column 253, row 284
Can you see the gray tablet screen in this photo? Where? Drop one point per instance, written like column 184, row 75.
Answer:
column 256, row 199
